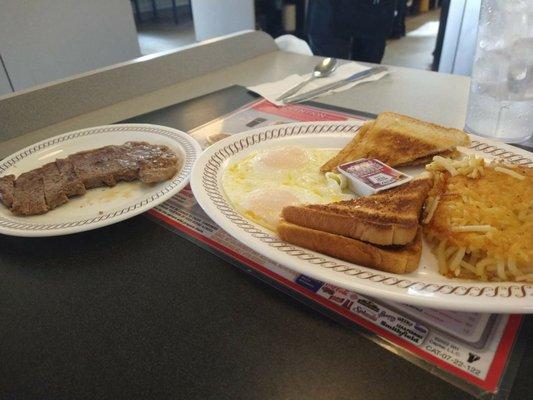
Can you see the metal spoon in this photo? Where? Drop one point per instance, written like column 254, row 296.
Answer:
column 322, row 69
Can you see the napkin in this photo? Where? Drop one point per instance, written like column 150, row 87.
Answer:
column 273, row 90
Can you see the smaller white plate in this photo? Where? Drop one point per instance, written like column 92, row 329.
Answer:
column 101, row 206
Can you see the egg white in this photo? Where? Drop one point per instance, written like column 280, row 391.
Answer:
column 261, row 184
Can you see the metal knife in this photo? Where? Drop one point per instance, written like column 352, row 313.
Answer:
column 334, row 85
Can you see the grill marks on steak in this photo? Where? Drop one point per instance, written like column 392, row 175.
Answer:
column 45, row 188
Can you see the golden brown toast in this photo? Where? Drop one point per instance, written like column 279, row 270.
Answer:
column 427, row 159
column 396, row 140
column 351, row 151
column 386, row 218
column 395, row 259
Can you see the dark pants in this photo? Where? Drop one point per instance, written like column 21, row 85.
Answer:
column 359, row 49
column 350, row 29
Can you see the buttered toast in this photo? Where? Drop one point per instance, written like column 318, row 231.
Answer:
column 399, row 140
column 387, row 218
column 394, row 259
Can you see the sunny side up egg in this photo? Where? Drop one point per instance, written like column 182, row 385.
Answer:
column 262, row 183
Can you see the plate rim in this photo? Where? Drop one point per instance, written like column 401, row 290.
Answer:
column 226, row 148
column 187, row 144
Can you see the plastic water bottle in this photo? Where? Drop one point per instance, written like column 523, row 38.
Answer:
column 501, row 90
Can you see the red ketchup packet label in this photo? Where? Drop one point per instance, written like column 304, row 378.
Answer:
column 368, row 176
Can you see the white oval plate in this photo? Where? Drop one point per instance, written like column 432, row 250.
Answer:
column 101, row 206
column 424, row 287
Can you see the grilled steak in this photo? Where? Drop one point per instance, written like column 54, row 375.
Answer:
column 7, row 186
column 155, row 163
column 28, row 196
column 94, row 167
column 72, row 184
column 54, row 187
column 45, row 188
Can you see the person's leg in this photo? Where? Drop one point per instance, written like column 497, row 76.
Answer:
column 368, row 49
column 329, row 46
column 398, row 23
column 322, row 30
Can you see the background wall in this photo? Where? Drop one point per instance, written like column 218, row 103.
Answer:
column 44, row 40
column 5, row 86
column 214, row 18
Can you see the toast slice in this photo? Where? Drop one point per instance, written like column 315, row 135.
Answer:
column 428, row 159
column 386, row 218
column 394, row 259
column 352, row 151
column 397, row 140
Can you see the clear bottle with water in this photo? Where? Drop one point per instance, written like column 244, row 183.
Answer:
column 501, row 90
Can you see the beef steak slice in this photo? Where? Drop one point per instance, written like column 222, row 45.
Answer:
column 72, row 184
column 7, row 186
column 28, row 196
column 105, row 166
column 156, row 163
column 42, row 189
column 93, row 167
column 54, row 187
column 125, row 167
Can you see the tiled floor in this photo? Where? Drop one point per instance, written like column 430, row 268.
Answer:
column 414, row 50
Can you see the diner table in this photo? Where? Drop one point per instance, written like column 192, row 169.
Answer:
column 133, row 310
